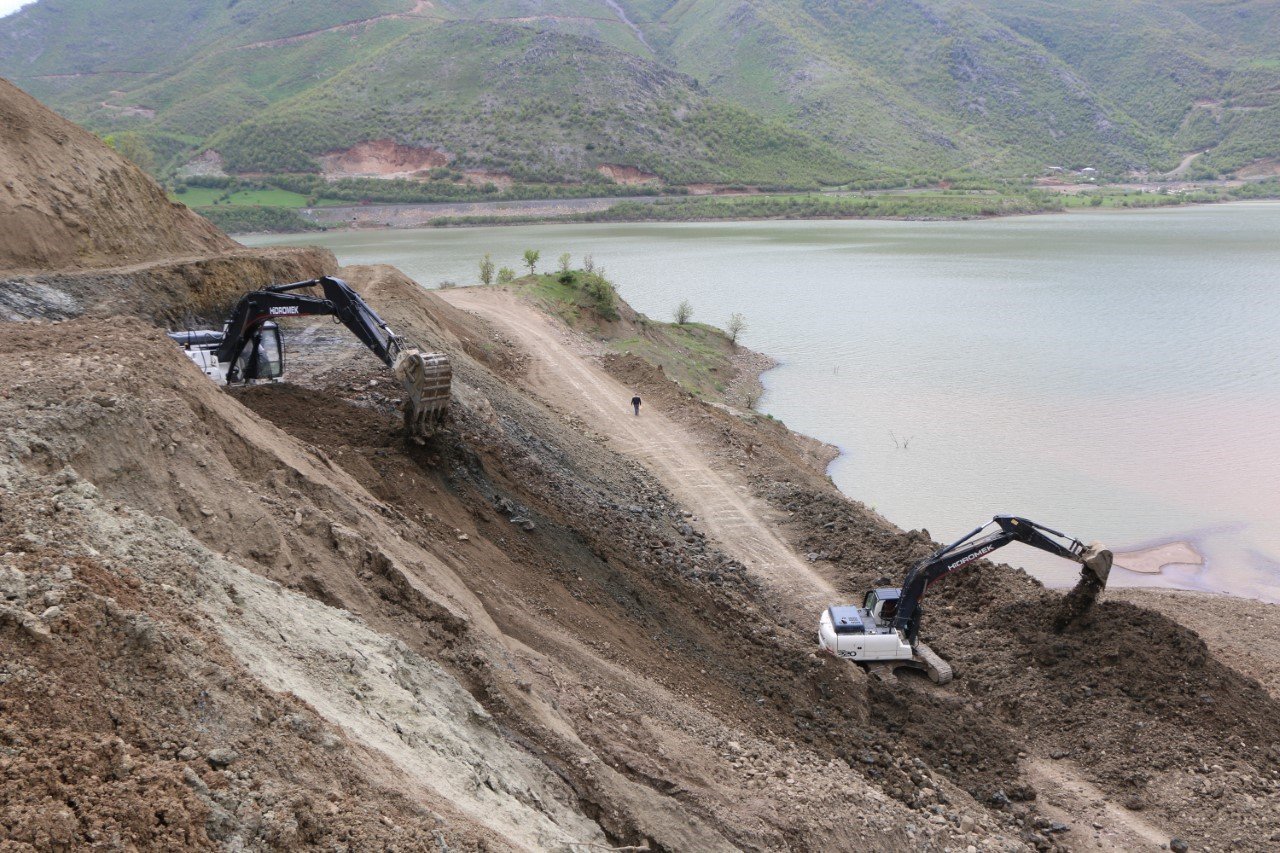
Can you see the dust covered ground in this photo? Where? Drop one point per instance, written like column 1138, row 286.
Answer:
column 262, row 619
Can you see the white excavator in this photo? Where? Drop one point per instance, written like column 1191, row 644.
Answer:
column 882, row 634
column 248, row 348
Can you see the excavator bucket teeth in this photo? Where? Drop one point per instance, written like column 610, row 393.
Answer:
column 426, row 378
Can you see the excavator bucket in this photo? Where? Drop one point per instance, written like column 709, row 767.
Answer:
column 1094, row 571
column 1097, row 562
column 426, row 378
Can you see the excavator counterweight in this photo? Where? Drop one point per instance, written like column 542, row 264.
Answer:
column 249, row 348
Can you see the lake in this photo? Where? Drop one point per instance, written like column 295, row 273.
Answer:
column 1111, row 374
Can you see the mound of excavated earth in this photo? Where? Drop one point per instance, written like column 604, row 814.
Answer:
column 67, row 200
column 264, row 620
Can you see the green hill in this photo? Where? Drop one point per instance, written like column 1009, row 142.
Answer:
column 539, row 106
column 718, row 91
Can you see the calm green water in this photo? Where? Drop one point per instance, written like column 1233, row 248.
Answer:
column 1113, row 375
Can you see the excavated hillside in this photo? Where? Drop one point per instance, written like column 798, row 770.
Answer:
column 85, row 232
column 262, row 619
column 69, row 201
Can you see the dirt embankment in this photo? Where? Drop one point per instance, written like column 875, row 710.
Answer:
column 1103, row 732
column 176, row 292
column 383, row 158
column 633, row 686
column 69, row 201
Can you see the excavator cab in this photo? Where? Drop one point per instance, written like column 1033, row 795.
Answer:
column 882, row 604
column 262, row 356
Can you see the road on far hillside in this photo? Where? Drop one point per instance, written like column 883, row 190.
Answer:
column 565, row 376
column 417, row 215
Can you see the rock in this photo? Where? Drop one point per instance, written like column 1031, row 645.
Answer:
column 966, row 824
column 187, row 754
column 221, row 757
column 51, row 613
column 1000, row 798
column 1177, row 845
column 193, row 780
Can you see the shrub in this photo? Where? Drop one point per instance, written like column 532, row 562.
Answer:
column 737, row 325
column 602, row 295
column 486, row 270
column 684, row 312
column 506, row 275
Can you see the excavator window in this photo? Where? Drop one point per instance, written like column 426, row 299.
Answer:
column 889, row 610
column 262, row 356
column 882, row 603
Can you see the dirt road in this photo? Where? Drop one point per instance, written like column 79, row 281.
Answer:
column 565, row 377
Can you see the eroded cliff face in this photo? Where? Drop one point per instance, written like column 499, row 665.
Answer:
column 68, row 201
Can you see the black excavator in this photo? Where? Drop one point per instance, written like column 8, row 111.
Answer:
column 884, row 630
column 249, row 347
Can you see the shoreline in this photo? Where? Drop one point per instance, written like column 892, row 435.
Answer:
column 1153, row 559
column 515, row 221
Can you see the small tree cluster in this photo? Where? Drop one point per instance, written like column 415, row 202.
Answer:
column 684, row 312
column 603, row 296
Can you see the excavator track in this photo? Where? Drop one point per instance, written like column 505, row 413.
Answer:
column 426, row 378
column 939, row 670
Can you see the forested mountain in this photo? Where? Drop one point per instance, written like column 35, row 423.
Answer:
column 718, row 91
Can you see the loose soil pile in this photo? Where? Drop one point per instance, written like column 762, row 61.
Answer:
column 68, row 201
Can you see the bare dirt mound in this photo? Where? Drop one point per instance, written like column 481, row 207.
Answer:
column 383, row 158
column 629, row 176
column 67, row 200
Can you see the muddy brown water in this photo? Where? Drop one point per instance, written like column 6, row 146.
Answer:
column 1110, row 374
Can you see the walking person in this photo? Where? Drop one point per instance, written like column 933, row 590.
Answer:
column 635, row 404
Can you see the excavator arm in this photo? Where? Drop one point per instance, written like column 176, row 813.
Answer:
column 977, row 544
column 279, row 300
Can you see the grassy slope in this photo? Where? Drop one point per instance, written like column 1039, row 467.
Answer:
column 1202, row 73
column 997, row 86
column 934, row 85
column 539, row 105
column 698, row 356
